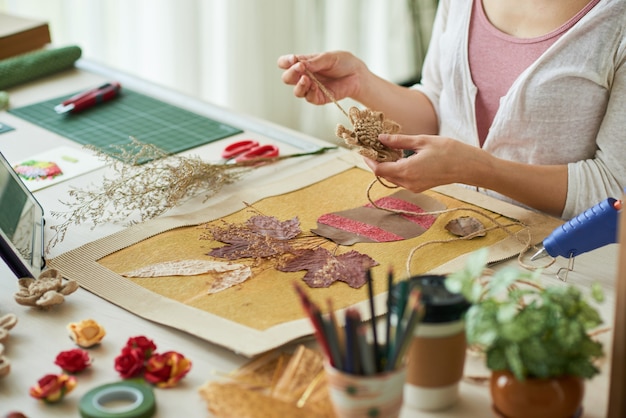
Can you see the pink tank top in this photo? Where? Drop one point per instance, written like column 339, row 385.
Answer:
column 497, row 59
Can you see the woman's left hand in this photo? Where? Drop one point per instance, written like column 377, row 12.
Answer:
column 436, row 161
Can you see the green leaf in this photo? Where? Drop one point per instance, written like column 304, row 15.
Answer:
column 507, row 312
column 480, row 326
column 476, row 262
column 502, row 280
column 597, row 293
column 568, row 335
column 465, row 281
column 496, row 360
column 514, row 361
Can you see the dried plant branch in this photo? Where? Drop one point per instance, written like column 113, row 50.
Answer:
column 147, row 182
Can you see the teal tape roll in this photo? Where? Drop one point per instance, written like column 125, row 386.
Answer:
column 118, row 400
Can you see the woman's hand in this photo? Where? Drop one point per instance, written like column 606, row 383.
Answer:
column 344, row 75
column 436, row 161
column 339, row 72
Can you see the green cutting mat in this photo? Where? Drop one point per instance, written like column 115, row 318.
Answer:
column 149, row 120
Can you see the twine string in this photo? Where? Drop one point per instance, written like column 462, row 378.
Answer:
column 496, row 226
column 329, row 95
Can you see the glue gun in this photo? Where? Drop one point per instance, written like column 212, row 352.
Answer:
column 594, row 228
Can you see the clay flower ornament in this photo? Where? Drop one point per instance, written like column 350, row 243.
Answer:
column 138, row 357
column 46, row 291
column 86, row 333
column 165, row 370
column 53, row 387
column 73, row 361
column 5, row 364
column 7, row 322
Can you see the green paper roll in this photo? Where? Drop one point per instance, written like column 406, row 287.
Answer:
column 4, row 100
column 33, row 65
column 105, row 401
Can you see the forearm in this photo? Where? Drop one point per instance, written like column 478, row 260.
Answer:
column 543, row 187
column 409, row 108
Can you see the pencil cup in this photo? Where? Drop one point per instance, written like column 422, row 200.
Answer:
column 379, row 395
column 436, row 357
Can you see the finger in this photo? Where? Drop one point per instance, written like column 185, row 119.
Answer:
column 383, row 170
column 305, row 57
column 314, row 94
column 303, row 87
column 375, row 167
column 400, row 141
column 293, row 74
column 370, row 163
column 286, row 61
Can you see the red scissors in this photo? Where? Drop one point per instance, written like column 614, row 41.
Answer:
column 249, row 149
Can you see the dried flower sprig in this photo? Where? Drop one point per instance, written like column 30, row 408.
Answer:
column 148, row 182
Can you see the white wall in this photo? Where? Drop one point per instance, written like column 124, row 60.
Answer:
column 225, row 51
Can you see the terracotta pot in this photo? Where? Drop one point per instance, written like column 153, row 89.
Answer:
column 538, row 398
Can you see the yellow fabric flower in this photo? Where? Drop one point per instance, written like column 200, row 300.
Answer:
column 86, row 333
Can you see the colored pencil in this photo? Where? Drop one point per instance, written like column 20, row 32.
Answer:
column 414, row 314
column 388, row 318
column 397, row 313
column 337, row 335
column 315, row 317
column 370, row 289
column 333, row 343
column 366, row 351
column 353, row 318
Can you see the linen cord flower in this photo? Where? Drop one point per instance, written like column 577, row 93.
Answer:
column 368, row 124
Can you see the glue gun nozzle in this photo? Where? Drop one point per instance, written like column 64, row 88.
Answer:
column 539, row 254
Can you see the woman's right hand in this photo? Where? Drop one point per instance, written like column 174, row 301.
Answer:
column 340, row 72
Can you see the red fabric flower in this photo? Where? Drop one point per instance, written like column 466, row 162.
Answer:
column 52, row 387
column 73, row 361
column 165, row 370
column 147, row 346
column 130, row 362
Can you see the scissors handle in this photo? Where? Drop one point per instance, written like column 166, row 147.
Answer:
column 263, row 151
column 238, row 148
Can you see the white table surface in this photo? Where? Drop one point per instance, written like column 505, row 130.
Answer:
column 40, row 335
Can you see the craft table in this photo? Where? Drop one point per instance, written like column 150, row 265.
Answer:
column 40, row 335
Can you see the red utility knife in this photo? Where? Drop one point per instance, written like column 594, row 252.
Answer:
column 89, row 98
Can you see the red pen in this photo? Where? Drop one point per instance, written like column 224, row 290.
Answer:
column 89, row 98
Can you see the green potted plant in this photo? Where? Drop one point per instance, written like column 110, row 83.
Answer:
column 535, row 338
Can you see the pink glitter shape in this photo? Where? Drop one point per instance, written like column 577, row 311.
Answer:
column 359, row 228
column 425, row 221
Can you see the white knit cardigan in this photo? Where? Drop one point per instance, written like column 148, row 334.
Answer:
column 568, row 107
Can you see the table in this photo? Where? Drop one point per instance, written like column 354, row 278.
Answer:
column 40, row 335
